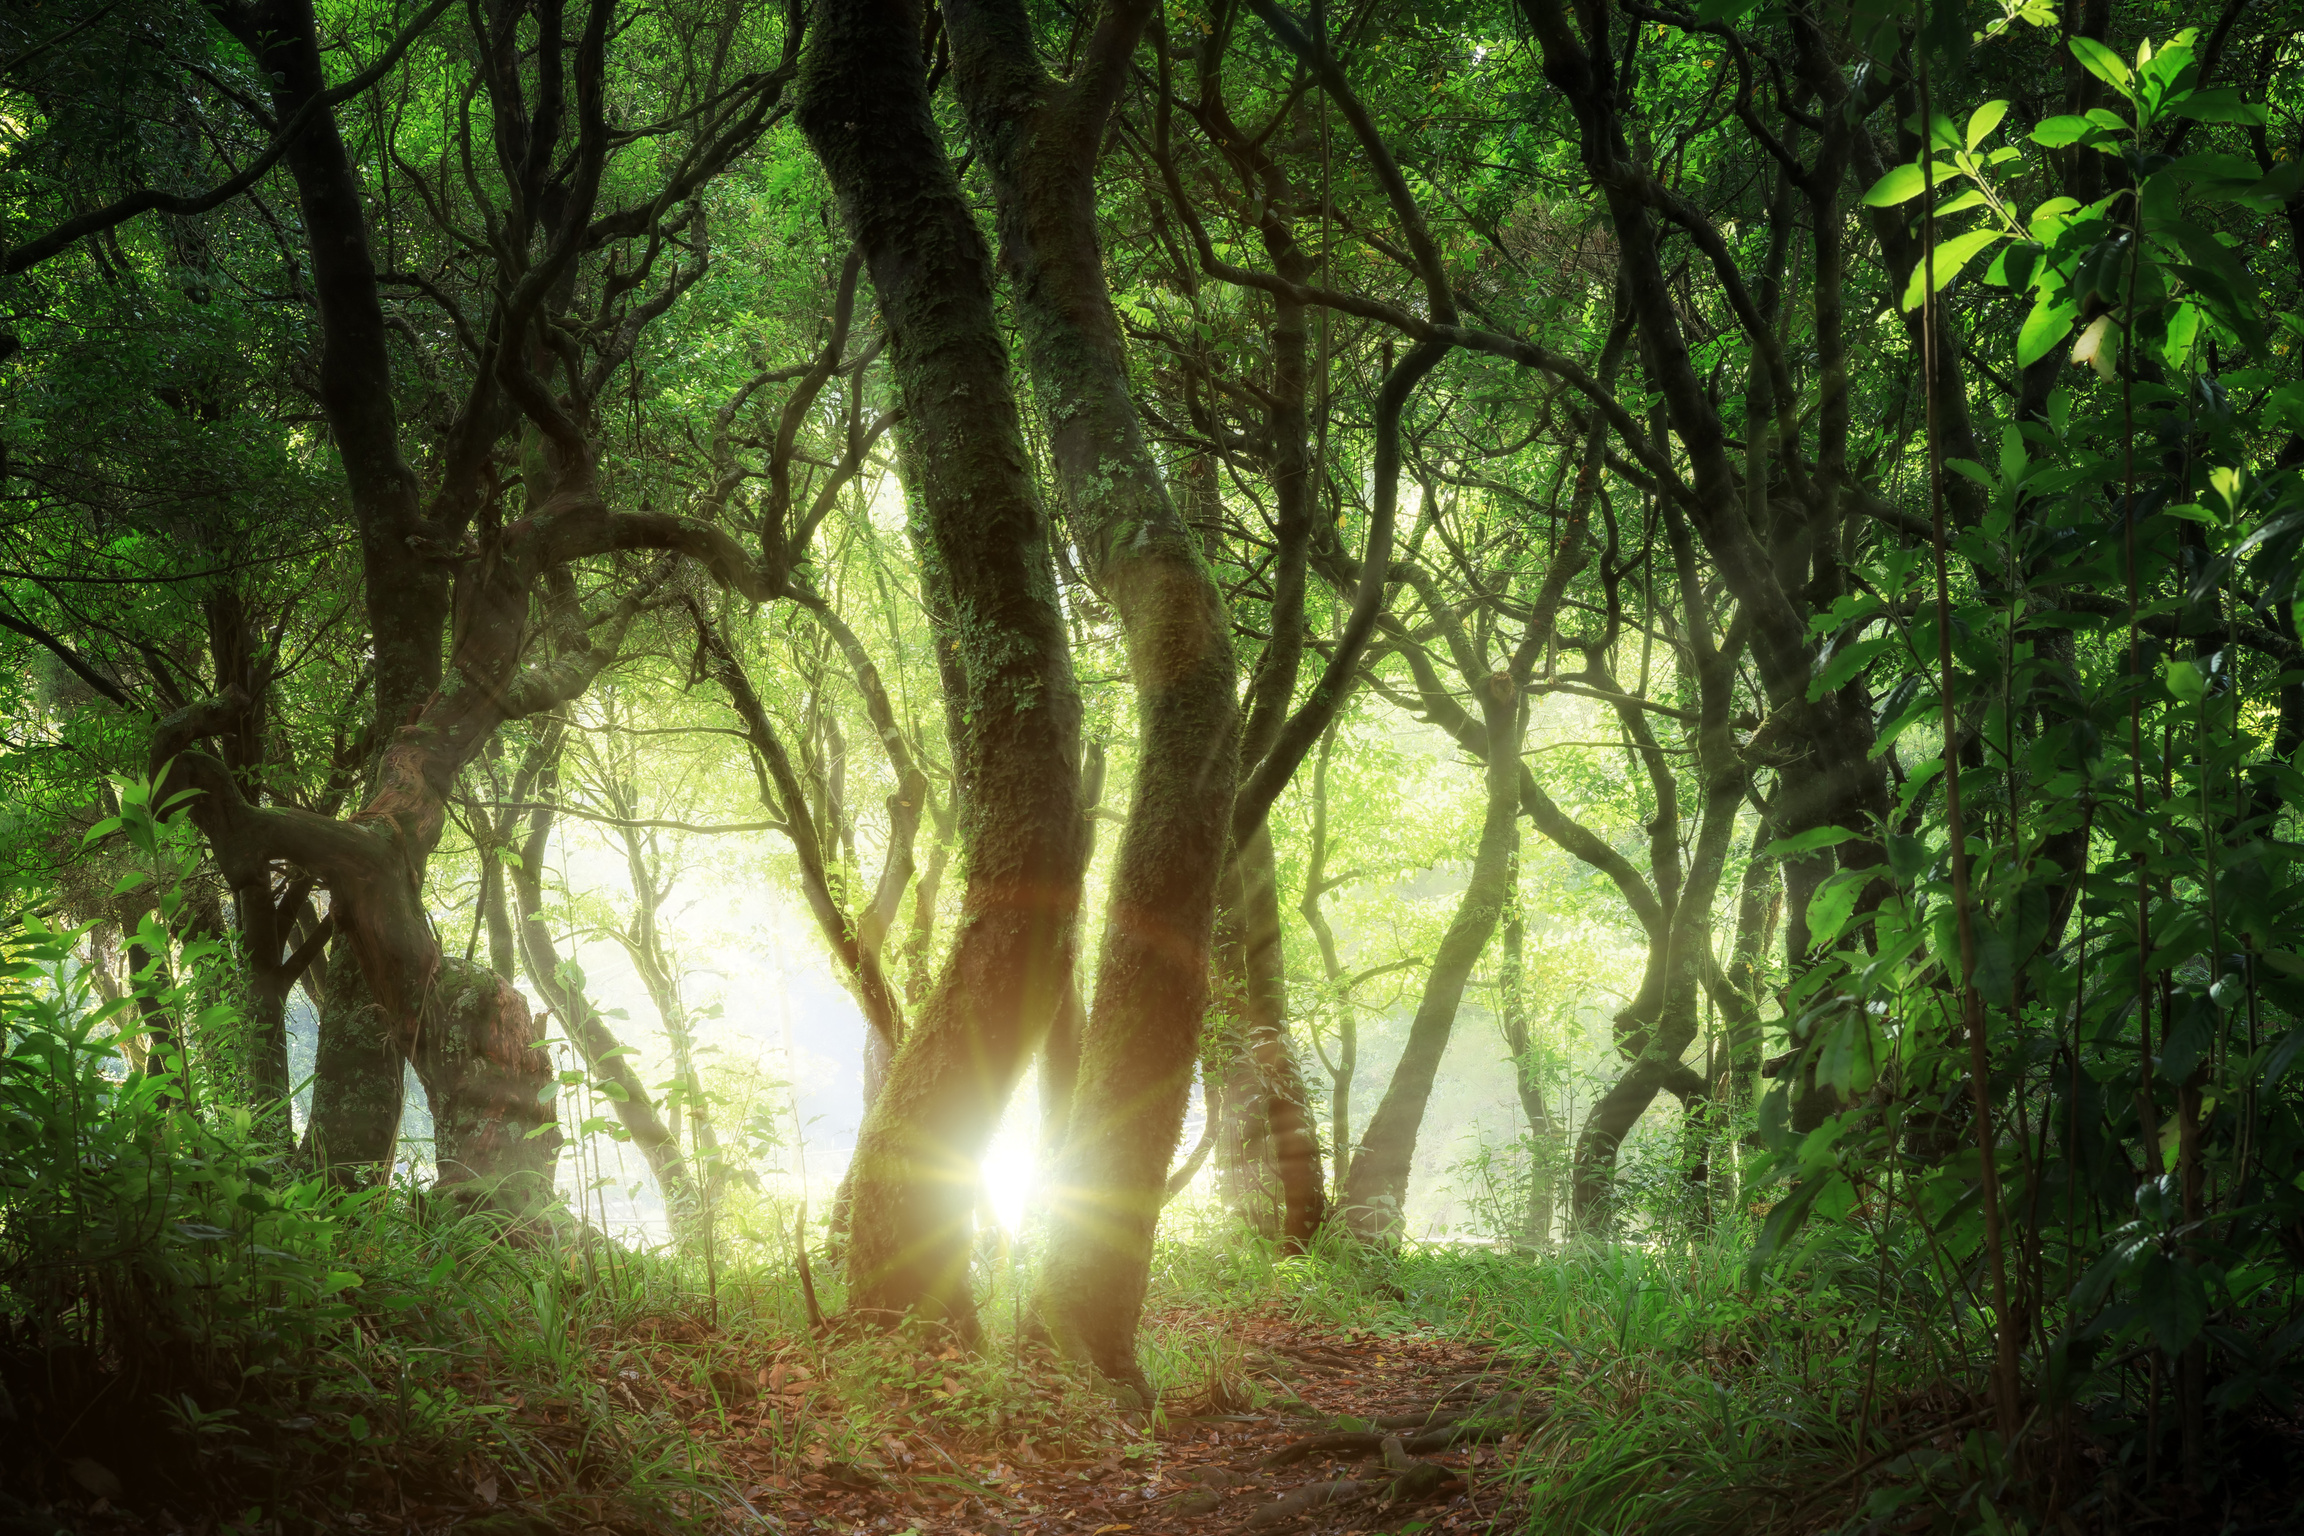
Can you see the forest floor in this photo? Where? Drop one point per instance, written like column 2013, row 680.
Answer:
column 1314, row 1458
column 1438, row 1392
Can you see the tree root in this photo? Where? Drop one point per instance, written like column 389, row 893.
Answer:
column 1409, row 1480
column 1492, row 1420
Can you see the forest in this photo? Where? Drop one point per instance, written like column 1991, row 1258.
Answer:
column 1023, row 767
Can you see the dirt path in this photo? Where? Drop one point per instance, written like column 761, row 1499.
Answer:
column 1360, row 1431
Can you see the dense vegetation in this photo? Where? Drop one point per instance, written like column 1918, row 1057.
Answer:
column 1616, row 685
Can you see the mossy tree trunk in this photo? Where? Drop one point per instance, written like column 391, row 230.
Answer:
column 1060, row 1056
column 1268, row 1147
column 1040, row 140
column 484, row 1068
column 452, row 590
column 863, row 102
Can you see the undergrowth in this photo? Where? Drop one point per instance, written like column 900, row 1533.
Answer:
column 189, row 1320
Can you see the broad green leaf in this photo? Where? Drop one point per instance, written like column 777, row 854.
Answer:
column 2099, row 347
column 1849, row 1060
column 2104, row 64
column 2223, row 104
column 1949, row 257
column 2062, row 132
column 2172, row 1300
column 1835, row 902
column 1900, row 185
column 1983, row 120
column 2185, row 680
column 1846, row 661
column 1995, row 973
column 1808, row 842
column 2013, row 460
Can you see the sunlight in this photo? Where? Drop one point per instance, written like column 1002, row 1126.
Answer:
column 1011, row 1167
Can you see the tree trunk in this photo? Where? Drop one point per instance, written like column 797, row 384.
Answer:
column 1375, row 1196
column 863, row 102
column 1040, row 141
column 1317, row 884
column 484, row 1068
column 1268, row 1154
column 659, row 1144
column 1512, row 1013
column 358, row 1079
column 1689, row 962
column 1060, row 1056
column 854, row 943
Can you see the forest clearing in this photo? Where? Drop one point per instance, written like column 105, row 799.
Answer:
column 1061, row 767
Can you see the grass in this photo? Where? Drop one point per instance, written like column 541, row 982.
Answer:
column 582, row 1387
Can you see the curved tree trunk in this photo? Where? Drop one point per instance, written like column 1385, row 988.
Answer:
column 1268, row 1149
column 359, row 1079
column 1512, row 1015
column 1375, row 1196
column 1040, row 141
column 1689, row 963
column 1015, row 725
column 603, row 1054
column 484, row 1067
column 1060, row 1056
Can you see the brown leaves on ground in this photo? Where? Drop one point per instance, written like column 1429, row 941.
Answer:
column 1094, row 1470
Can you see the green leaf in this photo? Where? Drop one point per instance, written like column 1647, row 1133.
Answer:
column 2061, row 132
column 2173, row 1302
column 1835, row 902
column 2223, row 104
column 1808, row 842
column 1995, row 973
column 1949, row 257
column 1846, row 662
column 1983, row 120
column 1900, row 185
column 2104, row 64
column 2013, row 461
column 2185, row 680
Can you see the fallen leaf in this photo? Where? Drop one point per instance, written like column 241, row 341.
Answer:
column 94, row 1476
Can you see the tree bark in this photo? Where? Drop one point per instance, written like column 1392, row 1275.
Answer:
column 1015, row 725
column 1269, row 1149
column 603, row 1054
column 1376, row 1194
column 1040, row 141
column 1060, row 1056
column 1512, row 1014
column 484, row 1067
column 1690, row 962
